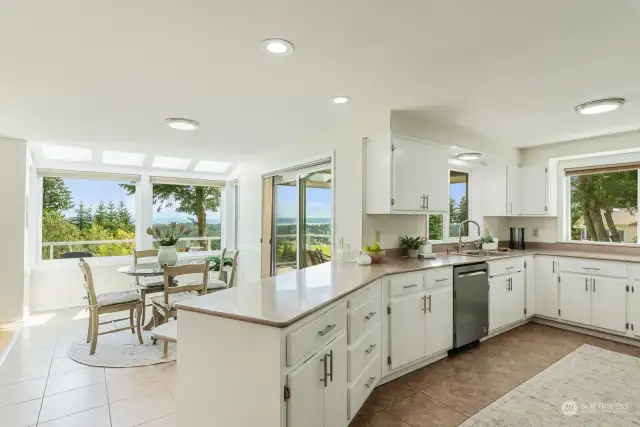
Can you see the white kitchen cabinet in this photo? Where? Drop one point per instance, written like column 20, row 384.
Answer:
column 320, row 384
column 406, row 329
column 513, row 190
column 506, row 300
column 546, row 286
column 530, row 285
column 498, row 302
column 494, row 191
column 534, row 189
column 406, row 176
column 439, row 321
column 608, row 303
column 575, row 298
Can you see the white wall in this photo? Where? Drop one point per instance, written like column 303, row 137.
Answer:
column 13, row 192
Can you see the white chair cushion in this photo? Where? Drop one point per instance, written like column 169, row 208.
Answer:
column 217, row 284
column 167, row 331
column 173, row 299
column 113, row 298
column 150, row 282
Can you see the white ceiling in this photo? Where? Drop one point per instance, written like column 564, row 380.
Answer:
column 107, row 73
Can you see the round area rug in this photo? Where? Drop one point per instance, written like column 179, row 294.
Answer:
column 121, row 350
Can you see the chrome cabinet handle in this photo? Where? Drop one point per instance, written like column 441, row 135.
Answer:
column 422, row 201
column 424, row 303
column 370, row 382
column 586, row 284
column 427, row 202
column 441, row 280
column 370, row 315
column 370, row 349
column 330, row 355
column 554, row 267
column 326, row 330
column 591, row 268
column 509, row 268
column 594, row 284
column 410, row 286
column 429, row 303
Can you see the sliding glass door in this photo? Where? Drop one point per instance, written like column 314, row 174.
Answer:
column 302, row 220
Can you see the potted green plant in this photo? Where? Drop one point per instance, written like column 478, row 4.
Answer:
column 167, row 240
column 412, row 244
column 488, row 243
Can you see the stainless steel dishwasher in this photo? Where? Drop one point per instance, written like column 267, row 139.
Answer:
column 470, row 303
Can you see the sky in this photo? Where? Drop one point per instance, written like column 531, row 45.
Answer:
column 93, row 191
column 457, row 191
column 318, row 202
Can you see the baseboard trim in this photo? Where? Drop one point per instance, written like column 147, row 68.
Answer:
column 586, row 330
column 413, row 367
column 11, row 325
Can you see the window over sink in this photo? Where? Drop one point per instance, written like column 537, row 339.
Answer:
column 445, row 227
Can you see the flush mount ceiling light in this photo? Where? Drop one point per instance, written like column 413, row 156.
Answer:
column 600, row 106
column 66, row 153
column 339, row 99
column 276, row 47
column 469, row 156
column 161, row 162
column 182, row 124
column 122, row 158
column 210, row 166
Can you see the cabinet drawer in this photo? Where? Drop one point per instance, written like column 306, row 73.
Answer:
column 403, row 284
column 594, row 268
column 363, row 317
column 362, row 388
column 438, row 278
column 363, row 296
column 507, row 266
column 364, row 351
column 315, row 334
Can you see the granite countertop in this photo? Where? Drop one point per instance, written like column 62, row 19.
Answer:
column 283, row 300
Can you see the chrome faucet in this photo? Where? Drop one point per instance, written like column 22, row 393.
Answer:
column 460, row 232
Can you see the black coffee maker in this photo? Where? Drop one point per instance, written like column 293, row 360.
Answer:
column 516, row 238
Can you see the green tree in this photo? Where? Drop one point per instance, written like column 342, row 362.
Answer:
column 100, row 216
column 435, row 227
column 190, row 199
column 56, row 196
column 83, row 218
column 125, row 221
column 57, row 229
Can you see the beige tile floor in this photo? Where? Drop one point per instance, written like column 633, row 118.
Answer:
column 40, row 386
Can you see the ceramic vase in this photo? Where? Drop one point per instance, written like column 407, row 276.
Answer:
column 167, row 255
column 413, row 253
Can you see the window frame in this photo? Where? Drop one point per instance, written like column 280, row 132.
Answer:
column 564, row 196
column 446, row 215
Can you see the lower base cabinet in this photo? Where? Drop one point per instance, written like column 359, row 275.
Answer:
column 506, row 300
column 608, row 303
column 575, row 298
column 320, row 385
column 360, row 390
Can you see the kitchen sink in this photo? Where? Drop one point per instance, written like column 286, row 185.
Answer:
column 484, row 253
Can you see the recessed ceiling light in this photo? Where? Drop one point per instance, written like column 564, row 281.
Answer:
column 182, row 124
column 210, row 166
column 339, row 99
column 600, row 106
column 122, row 158
column 469, row 156
column 170, row 163
column 276, row 47
column 66, row 153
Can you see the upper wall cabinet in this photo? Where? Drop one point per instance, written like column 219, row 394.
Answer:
column 406, row 176
column 535, row 194
column 501, row 191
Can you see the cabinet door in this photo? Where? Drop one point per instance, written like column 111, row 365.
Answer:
column 439, row 321
column 406, row 329
column 494, row 191
column 305, row 407
column 530, row 285
column 547, row 287
column 533, row 189
column 436, row 184
column 517, row 297
column 409, row 175
column 609, row 303
column 335, row 394
column 498, row 302
column 513, row 190
column 575, row 298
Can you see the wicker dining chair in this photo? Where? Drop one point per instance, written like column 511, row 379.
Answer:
column 111, row 302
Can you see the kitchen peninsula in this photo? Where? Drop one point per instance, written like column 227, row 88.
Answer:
column 307, row 348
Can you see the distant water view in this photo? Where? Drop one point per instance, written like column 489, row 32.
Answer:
column 284, row 221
